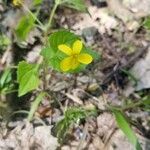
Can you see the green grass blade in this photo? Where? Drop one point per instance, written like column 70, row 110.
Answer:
column 125, row 127
column 35, row 105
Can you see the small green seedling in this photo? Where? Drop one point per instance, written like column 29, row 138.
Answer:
column 71, row 116
column 6, row 85
column 146, row 23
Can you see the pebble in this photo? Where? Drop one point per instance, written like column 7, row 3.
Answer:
column 93, row 87
column 65, row 147
column 14, row 124
column 89, row 34
column 83, row 79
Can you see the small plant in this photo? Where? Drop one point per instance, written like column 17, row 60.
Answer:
column 4, row 42
column 71, row 116
column 6, row 84
column 146, row 23
column 62, row 51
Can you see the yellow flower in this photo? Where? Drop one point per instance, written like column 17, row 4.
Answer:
column 17, row 2
column 75, row 57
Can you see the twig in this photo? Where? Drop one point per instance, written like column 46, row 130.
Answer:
column 129, row 63
column 108, row 46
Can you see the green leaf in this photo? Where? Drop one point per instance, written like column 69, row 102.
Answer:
column 76, row 4
column 53, row 56
column 125, row 127
column 4, row 40
column 62, row 36
column 146, row 100
column 6, row 84
column 25, row 25
column 146, row 103
column 27, row 77
column 131, row 76
column 146, row 23
column 34, row 105
column 37, row 2
column 5, row 78
column 72, row 115
column 55, row 39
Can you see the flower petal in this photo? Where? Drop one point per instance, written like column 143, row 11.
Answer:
column 16, row 2
column 66, row 64
column 75, row 63
column 85, row 58
column 77, row 47
column 65, row 49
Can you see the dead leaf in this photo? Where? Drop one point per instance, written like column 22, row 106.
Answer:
column 26, row 137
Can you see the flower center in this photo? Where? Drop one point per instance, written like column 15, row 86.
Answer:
column 75, row 56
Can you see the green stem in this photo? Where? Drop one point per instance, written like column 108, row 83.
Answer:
column 132, row 105
column 12, row 91
column 48, row 26
column 41, row 26
column 127, row 107
column 35, row 105
column 52, row 15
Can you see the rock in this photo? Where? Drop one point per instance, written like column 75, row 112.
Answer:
column 89, row 34
column 93, row 87
column 138, row 7
column 120, row 142
column 105, row 122
column 14, row 124
column 120, row 11
column 27, row 137
column 33, row 55
column 98, row 18
column 46, row 141
column 97, row 142
column 66, row 147
column 128, row 10
column 83, row 79
column 11, row 18
column 141, row 71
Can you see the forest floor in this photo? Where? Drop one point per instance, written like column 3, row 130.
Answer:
column 119, row 78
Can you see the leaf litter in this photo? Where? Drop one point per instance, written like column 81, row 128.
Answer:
column 109, row 39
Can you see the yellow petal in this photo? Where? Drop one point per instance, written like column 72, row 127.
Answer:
column 66, row 64
column 75, row 63
column 65, row 49
column 77, row 47
column 85, row 58
column 17, row 2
